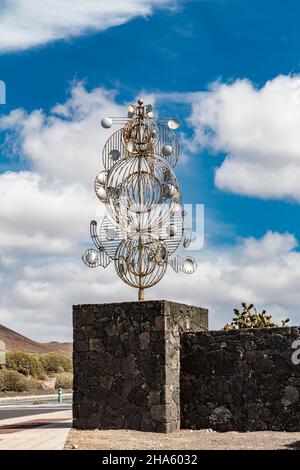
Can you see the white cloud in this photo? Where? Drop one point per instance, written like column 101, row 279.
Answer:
column 43, row 294
column 258, row 130
column 66, row 143
column 28, row 23
column 270, row 246
column 40, row 216
column 265, row 271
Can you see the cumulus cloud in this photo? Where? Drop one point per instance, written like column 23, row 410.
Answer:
column 258, row 130
column 28, row 23
column 67, row 142
column 271, row 245
column 43, row 293
column 41, row 216
column 265, row 271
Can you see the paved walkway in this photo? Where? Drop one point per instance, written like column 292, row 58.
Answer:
column 47, row 431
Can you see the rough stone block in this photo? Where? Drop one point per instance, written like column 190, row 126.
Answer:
column 126, row 363
column 251, row 384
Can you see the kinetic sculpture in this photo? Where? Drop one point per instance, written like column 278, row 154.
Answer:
column 146, row 222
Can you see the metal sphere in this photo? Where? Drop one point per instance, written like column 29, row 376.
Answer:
column 101, row 194
column 102, row 177
column 114, row 155
column 106, row 122
column 91, row 257
column 135, row 196
column 141, row 261
column 167, row 150
column 173, row 123
column 189, row 265
column 141, row 191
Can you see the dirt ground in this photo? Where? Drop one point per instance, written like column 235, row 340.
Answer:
column 182, row 440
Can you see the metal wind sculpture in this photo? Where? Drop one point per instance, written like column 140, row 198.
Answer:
column 146, row 222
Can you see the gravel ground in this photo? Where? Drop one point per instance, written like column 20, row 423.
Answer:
column 181, row 440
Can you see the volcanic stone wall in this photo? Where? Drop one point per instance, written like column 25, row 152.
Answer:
column 240, row 380
column 127, row 362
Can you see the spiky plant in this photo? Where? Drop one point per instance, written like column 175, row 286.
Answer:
column 248, row 317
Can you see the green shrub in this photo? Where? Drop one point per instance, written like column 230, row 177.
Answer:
column 23, row 363
column 13, row 381
column 55, row 362
column 250, row 318
column 64, row 380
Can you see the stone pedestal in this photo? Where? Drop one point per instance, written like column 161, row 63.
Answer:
column 127, row 364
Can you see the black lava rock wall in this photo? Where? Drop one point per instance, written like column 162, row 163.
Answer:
column 241, row 380
column 127, row 361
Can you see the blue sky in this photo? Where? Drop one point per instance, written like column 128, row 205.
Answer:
column 173, row 53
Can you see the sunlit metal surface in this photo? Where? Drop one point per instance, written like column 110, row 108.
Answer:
column 146, row 223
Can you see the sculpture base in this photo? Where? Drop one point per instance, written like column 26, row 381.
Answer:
column 127, row 363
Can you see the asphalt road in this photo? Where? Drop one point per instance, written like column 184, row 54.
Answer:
column 18, row 410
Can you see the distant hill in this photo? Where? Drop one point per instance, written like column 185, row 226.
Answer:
column 16, row 342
